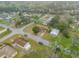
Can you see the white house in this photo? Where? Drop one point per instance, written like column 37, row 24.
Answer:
column 27, row 46
column 20, row 42
column 54, row 32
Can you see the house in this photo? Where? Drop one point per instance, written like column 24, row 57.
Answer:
column 20, row 42
column 7, row 51
column 54, row 32
column 47, row 20
column 42, row 29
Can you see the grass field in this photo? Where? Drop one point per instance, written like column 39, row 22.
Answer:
column 29, row 28
column 4, row 22
column 9, row 40
column 5, row 33
column 48, row 36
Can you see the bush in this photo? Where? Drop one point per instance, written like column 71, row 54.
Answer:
column 35, row 29
column 66, row 33
column 40, row 43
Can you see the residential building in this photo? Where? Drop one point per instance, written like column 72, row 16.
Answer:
column 54, row 32
column 20, row 42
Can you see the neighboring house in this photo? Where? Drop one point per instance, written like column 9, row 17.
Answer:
column 47, row 20
column 54, row 32
column 20, row 42
column 42, row 29
column 7, row 51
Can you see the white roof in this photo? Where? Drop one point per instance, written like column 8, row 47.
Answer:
column 54, row 32
column 27, row 46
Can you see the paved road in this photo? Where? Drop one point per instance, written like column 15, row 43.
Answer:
column 20, row 31
column 39, row 39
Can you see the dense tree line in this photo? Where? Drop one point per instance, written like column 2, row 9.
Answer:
column 51, row 7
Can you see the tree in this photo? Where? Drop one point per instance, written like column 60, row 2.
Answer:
column 64, row 29
column 62, row 26
column 17, row 21
column 57, row 49
column 24, row 20
column 35, row 29
column 36, row 19
column 66, row 33
column 54, row 22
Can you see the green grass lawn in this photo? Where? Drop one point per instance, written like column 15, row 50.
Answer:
column 4, row 22
column 29, row 28
column 9, row 40
column 48, row 36
column 5, row 33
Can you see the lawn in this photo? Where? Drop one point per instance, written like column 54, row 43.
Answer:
column 66, row 42
column 39, row 51
column 4, row 22
column 48, row 36
column 29, row 28
column 9, row 40
column 5, row 33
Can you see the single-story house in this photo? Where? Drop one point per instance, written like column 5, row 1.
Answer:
column 47, row 20
column 7, row 51
column 22, row 43
column 54, row 32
